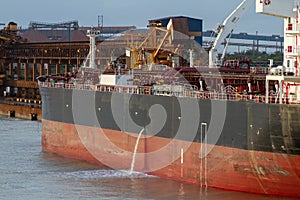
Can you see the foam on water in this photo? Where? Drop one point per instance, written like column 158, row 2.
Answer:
column 106, row 174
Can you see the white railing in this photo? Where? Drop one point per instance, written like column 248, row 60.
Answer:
column 295, row 52
column 293, row 28
column 147, row 90
column 259, row 70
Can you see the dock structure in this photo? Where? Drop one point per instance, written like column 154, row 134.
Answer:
column 42, row 49
column 255, row 41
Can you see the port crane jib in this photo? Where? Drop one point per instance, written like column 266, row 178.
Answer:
column 225, row 29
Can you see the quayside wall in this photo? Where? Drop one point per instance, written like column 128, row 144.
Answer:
column 21, row 111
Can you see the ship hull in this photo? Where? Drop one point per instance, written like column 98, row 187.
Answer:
column 253, row 152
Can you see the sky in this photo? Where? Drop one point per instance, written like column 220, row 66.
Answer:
column 135, row 12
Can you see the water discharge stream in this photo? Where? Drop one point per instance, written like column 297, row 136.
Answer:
column 135, row 150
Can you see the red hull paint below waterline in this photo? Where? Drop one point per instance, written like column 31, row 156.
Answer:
column 224, row 167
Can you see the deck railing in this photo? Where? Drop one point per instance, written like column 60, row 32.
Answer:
column 148, row 90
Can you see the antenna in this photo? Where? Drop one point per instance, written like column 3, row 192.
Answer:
column 100, row 22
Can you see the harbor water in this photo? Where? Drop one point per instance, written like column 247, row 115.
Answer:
column 28, row 173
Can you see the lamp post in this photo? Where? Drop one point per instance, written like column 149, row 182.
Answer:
column 276, row 38
column 78, row 51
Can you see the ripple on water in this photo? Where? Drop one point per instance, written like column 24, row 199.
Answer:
column 105, row 174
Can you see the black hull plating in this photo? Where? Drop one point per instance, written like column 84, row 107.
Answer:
column 248, row 125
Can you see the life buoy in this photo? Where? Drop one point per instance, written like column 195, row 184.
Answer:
column 267, row 2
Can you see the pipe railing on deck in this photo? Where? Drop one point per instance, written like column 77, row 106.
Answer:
column 148, row 90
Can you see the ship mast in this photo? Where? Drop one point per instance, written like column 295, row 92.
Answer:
column 92, row 34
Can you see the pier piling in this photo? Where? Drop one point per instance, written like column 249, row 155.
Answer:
column 11, row 113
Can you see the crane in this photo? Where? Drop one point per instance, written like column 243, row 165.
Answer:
column 225, row 29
